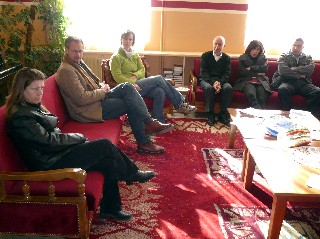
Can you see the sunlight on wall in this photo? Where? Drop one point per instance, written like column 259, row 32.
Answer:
column 278, row 23
column 100, row 23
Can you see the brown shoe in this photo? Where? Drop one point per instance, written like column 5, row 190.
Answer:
column 156, row 127
column 150, row 148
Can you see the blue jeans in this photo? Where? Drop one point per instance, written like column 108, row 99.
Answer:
column 157, row 88
column 125, row 99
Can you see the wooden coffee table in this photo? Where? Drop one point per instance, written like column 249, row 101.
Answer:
column 286, row 178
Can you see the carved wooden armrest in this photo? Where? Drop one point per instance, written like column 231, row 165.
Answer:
column 104, row 66
column 193, row 81
column 172, row 82
column 76, row 174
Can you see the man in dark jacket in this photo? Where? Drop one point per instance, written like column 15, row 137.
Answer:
column 293, row 77
column 215, row 71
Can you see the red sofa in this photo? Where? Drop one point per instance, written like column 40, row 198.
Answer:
column 59, row 203
column 239, row 100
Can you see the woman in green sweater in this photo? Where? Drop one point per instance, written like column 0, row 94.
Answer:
column 126, row 66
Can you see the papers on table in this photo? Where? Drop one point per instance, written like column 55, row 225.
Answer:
column 250, row 127
column 314, row 181
column 306, row 155
column 251, row 112
column 254, row 122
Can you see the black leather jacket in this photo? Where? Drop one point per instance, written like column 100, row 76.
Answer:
column 38, row 140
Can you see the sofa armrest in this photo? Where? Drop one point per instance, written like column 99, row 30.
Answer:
column 11, row 201
column 193, row 82
column 76, row 174
column 106, row 74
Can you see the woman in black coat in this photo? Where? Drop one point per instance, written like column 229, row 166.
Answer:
column 253, row 65
column 43, row 146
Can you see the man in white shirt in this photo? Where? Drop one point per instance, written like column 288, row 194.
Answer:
column 215, row 71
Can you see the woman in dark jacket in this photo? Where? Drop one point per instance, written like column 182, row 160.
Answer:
column 253, row 65
column 44, row 147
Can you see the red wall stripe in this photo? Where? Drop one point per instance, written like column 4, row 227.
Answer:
column 199, row 5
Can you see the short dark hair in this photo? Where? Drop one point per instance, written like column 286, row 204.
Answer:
column 70, row 39
column 300, row 39
column 252, row 45
column 126, row 34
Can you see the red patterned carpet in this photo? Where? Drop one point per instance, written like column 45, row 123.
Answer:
column 196, row 193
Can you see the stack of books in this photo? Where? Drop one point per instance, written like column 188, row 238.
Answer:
column 177, row 74
column 168, row 73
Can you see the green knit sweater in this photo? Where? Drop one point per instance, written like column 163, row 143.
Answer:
column 123, row 67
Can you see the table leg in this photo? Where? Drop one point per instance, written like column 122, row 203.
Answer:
column 279, row 206
column 232, row 135
column 248, row 175
column 244, row 163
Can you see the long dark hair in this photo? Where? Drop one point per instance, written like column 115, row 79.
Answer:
column 22, row 79
column 252, row 45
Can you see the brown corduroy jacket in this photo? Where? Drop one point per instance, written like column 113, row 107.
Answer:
column 80, row 92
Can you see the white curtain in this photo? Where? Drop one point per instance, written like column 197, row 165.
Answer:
column 100, row 23
column 277, row 23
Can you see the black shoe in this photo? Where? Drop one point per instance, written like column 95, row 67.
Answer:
column 211, row 120
column 256, row 105
column 202, row 114
column 224, row 118
column 141, row 177
column 118, row 215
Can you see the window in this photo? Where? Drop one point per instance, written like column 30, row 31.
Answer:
column 278, row 23
column 100, row 23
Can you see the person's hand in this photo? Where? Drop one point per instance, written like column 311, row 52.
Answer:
column 294, row 68
column 137, row 87
column 217, row 86
column 105, row 87
column 302, row 76
column 248, row 68
column 134, row 78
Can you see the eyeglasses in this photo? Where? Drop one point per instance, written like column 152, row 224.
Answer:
column 77, row 51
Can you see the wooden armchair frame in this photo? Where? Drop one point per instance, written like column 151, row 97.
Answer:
column 107, row 76
column 193, row 82
column 76, row 174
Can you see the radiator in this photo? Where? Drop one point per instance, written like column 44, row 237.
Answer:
column 94, row 62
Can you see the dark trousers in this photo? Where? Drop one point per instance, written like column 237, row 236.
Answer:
column 103, row 156
column 226, row 93
column 309, row 91
column 255, row 94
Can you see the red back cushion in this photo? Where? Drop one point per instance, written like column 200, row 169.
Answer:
column 9, row 157
column 272, row 68
column 52, row 99
column 196, row 67
column 234, row 71
column 316, row 75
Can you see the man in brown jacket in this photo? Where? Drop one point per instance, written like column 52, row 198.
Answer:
column 90, row 100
